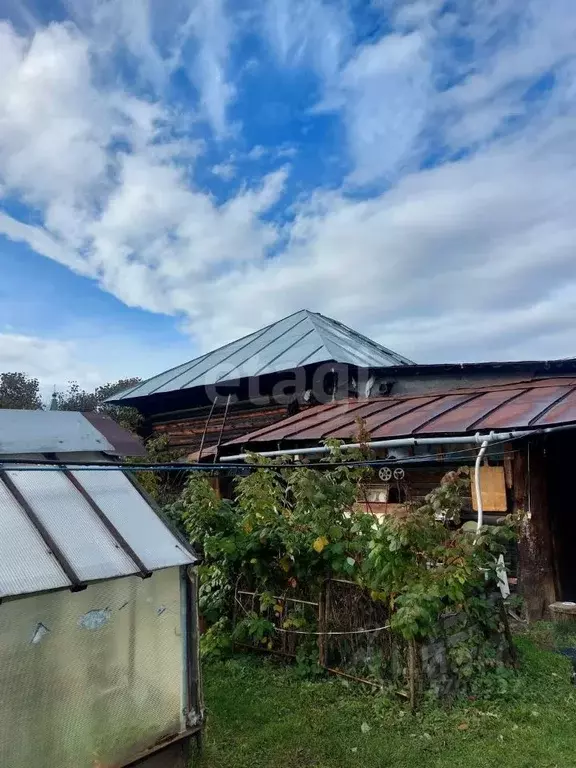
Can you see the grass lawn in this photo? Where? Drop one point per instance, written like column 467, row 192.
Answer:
column 262, row 715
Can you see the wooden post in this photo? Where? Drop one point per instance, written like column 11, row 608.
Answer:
column 537, row 573
column 322, row 656
column 414, row 674
column 215, row 484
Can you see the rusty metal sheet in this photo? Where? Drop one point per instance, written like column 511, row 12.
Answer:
column 562, row 411
column 544, row 402
column 400, row 408
column 411, row 422
column 522, row 410
column 343, row 423
column 296, row 424
column 125, row 443
column 466, row 415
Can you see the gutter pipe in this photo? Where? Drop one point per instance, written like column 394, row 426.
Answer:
column 477, row 465
column 478, row 439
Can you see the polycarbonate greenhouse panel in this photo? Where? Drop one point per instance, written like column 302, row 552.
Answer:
column 91, row 678
column 83, row 538
column 20, row 543
column 133, row 517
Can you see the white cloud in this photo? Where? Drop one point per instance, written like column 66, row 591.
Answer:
column 308, row 32
column 40, row 241
column 470, row 259
column 54, row 362
column 206, row 58
column 386, row 91
column 224, row 171
column 159, row 38
column 256, row 153
column 42, row 358
column 447, row 265
column 461, row 73
column 512, row 51
column 382, row 87
column 54, row 125
column 408, row 14
column 85, row 358
column 140, row 226
column 114, row 26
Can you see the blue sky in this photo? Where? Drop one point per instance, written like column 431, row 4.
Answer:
column 173, row 175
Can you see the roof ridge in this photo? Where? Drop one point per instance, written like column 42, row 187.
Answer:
column 326, row 344
column 367, row 339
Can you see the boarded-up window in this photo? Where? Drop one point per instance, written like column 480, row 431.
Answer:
column 383, row 499
column 493, row 489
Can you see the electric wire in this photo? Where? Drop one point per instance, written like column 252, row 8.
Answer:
column 23, row 464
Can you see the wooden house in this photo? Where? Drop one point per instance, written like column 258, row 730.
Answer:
column 529, row 427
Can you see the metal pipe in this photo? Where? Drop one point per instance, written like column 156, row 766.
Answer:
column 391, row 443
column 217, row 448
column 477, row 486
column 206, row 428
column 186, row 660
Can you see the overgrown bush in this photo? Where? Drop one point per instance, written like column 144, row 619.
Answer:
column 291, row 526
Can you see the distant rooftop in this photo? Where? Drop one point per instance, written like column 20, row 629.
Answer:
column 299, row 339
column 38, row 431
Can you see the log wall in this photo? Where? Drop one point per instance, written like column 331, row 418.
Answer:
column 185, row 431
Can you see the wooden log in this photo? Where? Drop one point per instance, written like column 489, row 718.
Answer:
column 187, row 432
column 537, row 580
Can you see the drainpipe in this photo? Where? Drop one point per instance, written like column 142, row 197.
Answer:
column 489, row 439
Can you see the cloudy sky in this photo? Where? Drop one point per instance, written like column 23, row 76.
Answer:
column 175, row 174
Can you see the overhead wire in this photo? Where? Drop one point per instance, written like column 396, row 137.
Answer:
column 24, row 465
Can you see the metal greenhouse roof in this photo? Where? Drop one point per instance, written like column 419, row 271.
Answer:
column 299, row 339
column 535, row 404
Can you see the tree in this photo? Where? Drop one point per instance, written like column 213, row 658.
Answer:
column 77, row 399
column 17, row 390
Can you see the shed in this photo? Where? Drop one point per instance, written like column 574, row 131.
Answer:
column 98, row 612
column 425, row 435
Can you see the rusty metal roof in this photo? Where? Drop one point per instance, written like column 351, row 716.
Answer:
column 534, row 404
column 299, row 339
column 124, row 442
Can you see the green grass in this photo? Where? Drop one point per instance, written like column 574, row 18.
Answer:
column 261, row 715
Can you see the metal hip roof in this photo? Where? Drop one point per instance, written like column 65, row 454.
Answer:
column 299, row 339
